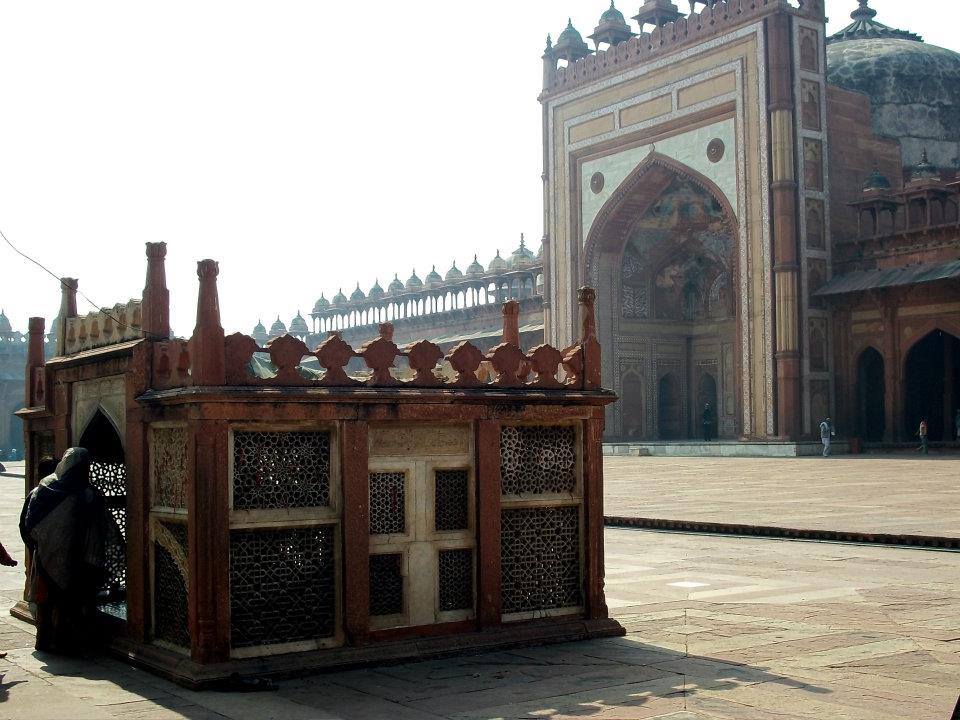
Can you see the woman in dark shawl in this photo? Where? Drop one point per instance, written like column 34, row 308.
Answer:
column 64, row 523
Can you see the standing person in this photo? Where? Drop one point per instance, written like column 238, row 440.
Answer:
column 923, row 432
column 65, row 523
column 826, row 433
column 709, row 420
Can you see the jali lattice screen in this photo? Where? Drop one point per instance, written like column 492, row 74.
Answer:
column 451, row 500
column 282, row 585
column 273, row 470
column 170, row 572
column 537, row 459
column 110, row 478
column 387, row 503
column 540, row 558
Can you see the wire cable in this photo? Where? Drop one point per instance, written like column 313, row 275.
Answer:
column 83, row 295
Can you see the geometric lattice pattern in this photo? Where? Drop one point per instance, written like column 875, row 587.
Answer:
column 387, row 506
column 277, row 470
column 386, row 584
column 537, row 459
column 282, row 585
column 451, row 505
column 170, row 622
column 540, row 558
column 455, row 571
column 110, row 478
column 169, row 467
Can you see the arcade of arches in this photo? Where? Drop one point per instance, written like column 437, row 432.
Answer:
column 668, row 313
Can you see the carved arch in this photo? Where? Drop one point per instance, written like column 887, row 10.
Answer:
column 611, row 228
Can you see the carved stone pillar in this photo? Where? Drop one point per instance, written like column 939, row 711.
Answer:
column 34, row 390
column 207, row 343
column 786, row 269
column 156, row 297
column 68, row 309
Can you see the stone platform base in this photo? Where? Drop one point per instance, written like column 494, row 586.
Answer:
column 723, row 448
column 179, row 668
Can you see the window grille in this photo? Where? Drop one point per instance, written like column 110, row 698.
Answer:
column 537, row 459
column 282, row 585
column 170, row 610
column 386, row 584
column 540, row 558
column 455, row 573
column 110, row 478
column 387, row 503
column 277, row 470
column 451, row 500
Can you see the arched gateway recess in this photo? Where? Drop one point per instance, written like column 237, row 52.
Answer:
column 108, row 473
column 932, row 384
column 871, row 389
column 662, row 255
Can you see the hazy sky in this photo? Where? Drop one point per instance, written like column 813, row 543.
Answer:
column 304, row 145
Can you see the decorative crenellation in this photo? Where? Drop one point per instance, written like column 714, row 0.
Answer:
column 109, row 326
column 718, row 16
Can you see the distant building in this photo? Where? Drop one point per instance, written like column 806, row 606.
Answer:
column 13, row 363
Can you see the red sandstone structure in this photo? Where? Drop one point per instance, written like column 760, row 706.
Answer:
column 278, row 519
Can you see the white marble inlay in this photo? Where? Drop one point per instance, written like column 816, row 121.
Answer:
column 688, row 584
column 689, row 148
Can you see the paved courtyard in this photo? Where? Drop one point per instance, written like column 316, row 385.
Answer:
column 718, row 628
column 895, row 494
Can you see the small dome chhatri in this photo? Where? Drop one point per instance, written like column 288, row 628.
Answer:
column 321, row 305
column 278, row 328
column 498, row 264
column 357, row 294
column 453, row 274
column 433, row 278
column 414, row 282
column 5, row 327
column 864, row 26
column 259, row 333
column 924, row 172
column 522, row 257
column 339, row 298
column 298, row 326
column 877, row 182
column 475, row 268
column 612, row 28
column 376, row 291
column 570, row 45
column 396, row 286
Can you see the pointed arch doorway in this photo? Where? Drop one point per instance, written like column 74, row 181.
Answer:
column 662, row 254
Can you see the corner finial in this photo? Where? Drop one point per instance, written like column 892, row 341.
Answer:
column 549, row 42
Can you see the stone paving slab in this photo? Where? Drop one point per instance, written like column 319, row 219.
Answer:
column 889, row 494
column 718, row 629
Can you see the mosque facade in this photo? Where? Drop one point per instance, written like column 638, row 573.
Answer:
column 768, row 214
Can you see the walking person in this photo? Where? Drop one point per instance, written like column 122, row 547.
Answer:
column 923, row 432
column 709, row 420
column 826, row 433
column 65, row 524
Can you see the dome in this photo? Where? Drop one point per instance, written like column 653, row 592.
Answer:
column 433, row 278
column 924, row 171
column 259, row 333
column 570, row 45
column 453, row 274
column 278, row 328
column 474, row 268
column 522, row 256
column 321, row 305
column 339, row 298
column 395, row 285
column 498, row 264
column 413, row 282
column 914, row 87
column 877, row 182
column 612, row 15
column 298, row 326
column 376, row 291
column 357, row 294
column 5, row 327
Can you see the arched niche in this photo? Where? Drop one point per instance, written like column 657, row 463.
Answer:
column 931, row 387
column 663, row 255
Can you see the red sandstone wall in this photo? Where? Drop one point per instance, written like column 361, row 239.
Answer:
column 854, row 153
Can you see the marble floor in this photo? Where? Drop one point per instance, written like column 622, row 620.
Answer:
column 895, row 494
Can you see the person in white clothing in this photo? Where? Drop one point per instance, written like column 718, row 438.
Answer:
column 826, row 433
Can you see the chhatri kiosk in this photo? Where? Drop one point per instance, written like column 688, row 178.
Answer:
column 281, row 512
